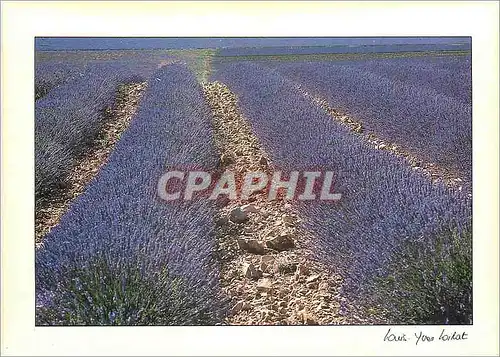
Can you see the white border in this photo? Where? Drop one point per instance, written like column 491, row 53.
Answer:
column 21, row 21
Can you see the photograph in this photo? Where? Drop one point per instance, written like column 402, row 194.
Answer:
column 250, row 178
column 253, row 181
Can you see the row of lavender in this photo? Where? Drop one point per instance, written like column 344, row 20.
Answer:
column 121, row 255
column 69, row 116
column 423, row 104
column 402, row 244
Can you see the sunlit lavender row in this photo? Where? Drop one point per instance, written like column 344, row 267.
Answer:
column 120, row 255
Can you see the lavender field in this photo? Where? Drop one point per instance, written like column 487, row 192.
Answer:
column 424, row 105
column 394, row 127
column 386, row 206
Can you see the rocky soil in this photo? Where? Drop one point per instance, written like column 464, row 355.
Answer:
column 267, row 267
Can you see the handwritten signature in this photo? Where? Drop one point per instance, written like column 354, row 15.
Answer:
column 420, row 337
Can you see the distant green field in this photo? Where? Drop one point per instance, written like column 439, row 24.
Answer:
column 338, row 56
column 199, row 61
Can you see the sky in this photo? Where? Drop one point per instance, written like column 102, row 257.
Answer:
column 103, row 43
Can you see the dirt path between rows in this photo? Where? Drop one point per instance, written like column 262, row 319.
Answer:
column 266, row 263
column 49, row 211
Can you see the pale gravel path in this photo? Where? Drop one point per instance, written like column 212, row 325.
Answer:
column 268, row 286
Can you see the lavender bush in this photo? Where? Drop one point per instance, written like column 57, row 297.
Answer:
column 123, row 256
column 433, row 278
column 385, row 207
